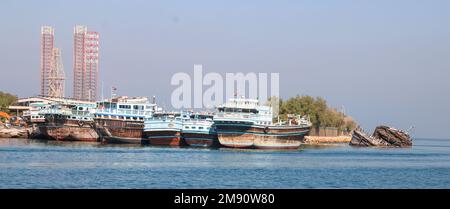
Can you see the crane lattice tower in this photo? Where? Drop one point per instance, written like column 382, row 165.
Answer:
column 56, row 79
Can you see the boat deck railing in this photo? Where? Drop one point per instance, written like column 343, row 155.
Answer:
column 235, row 115
column 66, row 112
column 56, row 111
column 81, row 113
column 123, row 112
column 198, row 121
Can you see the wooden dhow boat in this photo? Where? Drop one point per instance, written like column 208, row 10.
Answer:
column 243, row 123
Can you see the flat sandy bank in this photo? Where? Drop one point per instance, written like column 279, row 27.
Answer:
column 327, row 139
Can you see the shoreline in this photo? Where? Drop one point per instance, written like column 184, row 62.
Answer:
column 14, row 132
column 327, row 139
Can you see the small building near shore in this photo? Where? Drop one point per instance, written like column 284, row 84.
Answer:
column 23, row 104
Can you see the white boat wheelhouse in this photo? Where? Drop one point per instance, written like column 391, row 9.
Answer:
column 124, row 108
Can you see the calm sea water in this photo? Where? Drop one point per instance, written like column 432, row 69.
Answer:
column 49, row 164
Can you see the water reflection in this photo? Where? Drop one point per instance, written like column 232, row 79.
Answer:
column 322, row 146
column 75, row 144
column 26, row 163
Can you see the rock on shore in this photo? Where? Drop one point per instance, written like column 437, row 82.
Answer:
column 382, row 136
column 326, row 139
column 13, row 132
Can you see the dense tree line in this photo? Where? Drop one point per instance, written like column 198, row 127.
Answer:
column 318, row 111
column 6, row 100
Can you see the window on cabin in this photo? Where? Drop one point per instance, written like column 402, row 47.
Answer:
column 125, row 106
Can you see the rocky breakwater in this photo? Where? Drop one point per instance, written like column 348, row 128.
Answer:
column 383, row 136
column 13, row 132
column 327, row 139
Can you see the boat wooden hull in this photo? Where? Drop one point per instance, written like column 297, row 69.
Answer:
column 261, row 137
column 383, row 136
column 121, row 131
column 163, row 138
column 69, row 130
column 233, row 140
column 271, row 142
column 200, row 139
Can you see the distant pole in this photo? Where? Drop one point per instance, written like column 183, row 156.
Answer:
column 102, row 90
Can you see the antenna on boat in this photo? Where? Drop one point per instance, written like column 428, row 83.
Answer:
column 113, row 93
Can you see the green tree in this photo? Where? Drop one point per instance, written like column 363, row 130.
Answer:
column 6, row 100
column 318, row 111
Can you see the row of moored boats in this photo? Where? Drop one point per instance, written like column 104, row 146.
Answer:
column 238, row 123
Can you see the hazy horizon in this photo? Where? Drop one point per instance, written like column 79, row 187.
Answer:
column 385, row 62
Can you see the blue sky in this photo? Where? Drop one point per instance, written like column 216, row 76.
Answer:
column 386, row 62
